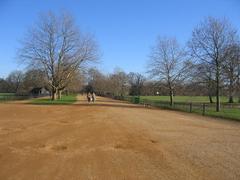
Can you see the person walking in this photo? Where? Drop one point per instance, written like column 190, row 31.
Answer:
column 88, row 97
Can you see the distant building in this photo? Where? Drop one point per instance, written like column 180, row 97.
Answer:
column 39, row 91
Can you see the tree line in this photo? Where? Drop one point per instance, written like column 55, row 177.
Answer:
column 23, row 82
column 209, row 64
column 57, row 53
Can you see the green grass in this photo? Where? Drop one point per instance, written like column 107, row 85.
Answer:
column 182, row 103
column 225, row 113
column 4, row 95
column 194, row 99
column 7, row 94
column 65, row 100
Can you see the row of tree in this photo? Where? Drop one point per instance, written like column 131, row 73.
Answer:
column 211, row 57
column 57, row 53
column 22, row 83
column 118, row 83
column 208, row 65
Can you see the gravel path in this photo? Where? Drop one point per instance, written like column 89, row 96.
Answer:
column 114, row 140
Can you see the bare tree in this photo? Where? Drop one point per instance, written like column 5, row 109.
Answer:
column 56, row 46
column 3, row 86
column 208, row 43
column 230, row 69
column 15, row 80
column 237, row 68
column 168, row 64
column 202, row 74
column 76, row 84
column 118, row 82
column 33, row 78
column 136, row 81
column 238, row 80
column 97, row 81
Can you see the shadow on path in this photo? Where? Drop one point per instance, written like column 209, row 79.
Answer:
column 117, row 105
column 105, row 102
column 82, row 102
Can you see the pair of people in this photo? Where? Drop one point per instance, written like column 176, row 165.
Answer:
column 91, row 97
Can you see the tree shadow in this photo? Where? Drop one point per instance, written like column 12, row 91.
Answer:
column 123, row 105
column 103, row 101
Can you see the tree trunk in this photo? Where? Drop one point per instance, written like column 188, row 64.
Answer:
column 238, row 95
column 218, row 89
column 230, row 100
column 238, row 83
column 231, row 89
column 59, row 94
column 53, row 94
column 171, row 97
column 210, row 98
column 238, row 92
column 210, row 89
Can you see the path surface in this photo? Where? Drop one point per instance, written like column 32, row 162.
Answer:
column 114, row 140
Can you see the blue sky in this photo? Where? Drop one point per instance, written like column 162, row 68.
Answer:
column 125, row 29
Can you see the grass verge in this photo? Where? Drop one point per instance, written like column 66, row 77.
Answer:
column 187, row 99
column 182, row 103
column 4, row 97
column 65, row 100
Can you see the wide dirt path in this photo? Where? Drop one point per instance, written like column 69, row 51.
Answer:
column 114, row 140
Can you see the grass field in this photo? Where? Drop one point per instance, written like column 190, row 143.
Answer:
column 225, row 113
column 2, row 95
column 194, row 99
column 182, row 103
column 11, row 97
column 70, row 99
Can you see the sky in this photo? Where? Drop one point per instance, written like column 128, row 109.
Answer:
column 124, row 29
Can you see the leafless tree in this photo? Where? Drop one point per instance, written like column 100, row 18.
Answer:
column 237, row 68
column 76, row 84
column 98, row 81
column 15, row 80
column 238, row 80
column 33, row 78
column 118, row 83
column 3, row 86
column 230, row 69
column 208, row 43
column 168, row 63
column 56, row 46
column 202, row 74
column 136, row 81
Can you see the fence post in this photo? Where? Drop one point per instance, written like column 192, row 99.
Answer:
column 190, row 107
column 203, row 109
